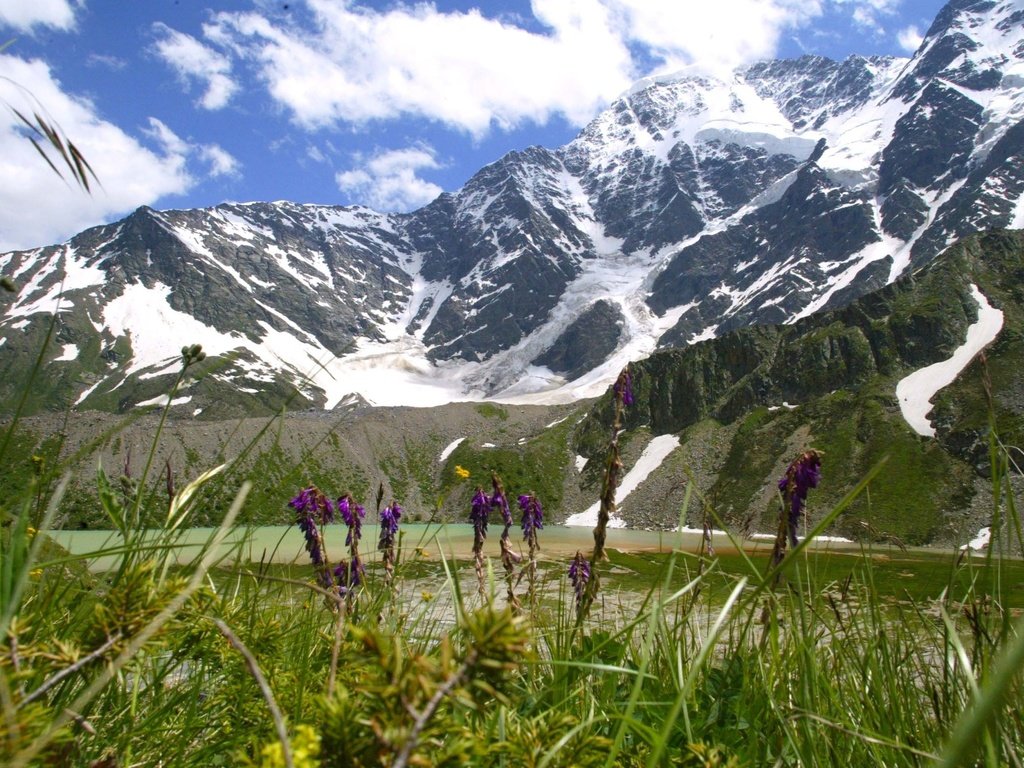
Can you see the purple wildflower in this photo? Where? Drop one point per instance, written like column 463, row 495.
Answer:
column 533, row 521
column 802, row 474
column 353, row 514
column 313, row 541
column 348, row 576
column 579, row 575
column 533, row 515
column 478, row 513
column 389, row 518
column 499, row 501
column 312, row 502
column 312, row 510
column 623, row 389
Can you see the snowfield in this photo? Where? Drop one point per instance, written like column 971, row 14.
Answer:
column 915, row 392
column 653, row 455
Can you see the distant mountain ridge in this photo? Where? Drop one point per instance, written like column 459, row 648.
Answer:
column 689, row 208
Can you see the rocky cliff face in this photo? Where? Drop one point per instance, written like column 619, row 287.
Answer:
column 689, row 208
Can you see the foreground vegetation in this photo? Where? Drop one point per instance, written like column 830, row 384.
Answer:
column 400, row 659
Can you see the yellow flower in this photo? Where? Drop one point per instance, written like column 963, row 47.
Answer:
column 461, row 472
column 427, row 596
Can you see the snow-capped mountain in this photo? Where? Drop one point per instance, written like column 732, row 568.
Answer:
column 690, row 207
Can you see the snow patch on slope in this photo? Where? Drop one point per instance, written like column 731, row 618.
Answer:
column 980, row 541
column 916, row 391
column 652, row 457
column 449, row 449
column 69, row 353
column 77, row 275
column 164, row 400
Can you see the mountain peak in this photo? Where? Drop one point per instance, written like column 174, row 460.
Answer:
column 691, row 206
column 972, row 44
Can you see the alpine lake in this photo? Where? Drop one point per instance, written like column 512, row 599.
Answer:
column 638, row 560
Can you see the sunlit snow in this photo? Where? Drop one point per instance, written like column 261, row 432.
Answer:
column 162, row 401
column 449, row 449
column 653, row 455
column 772, row 536
column 70, row 352
column 76, row 275
column 1018, row 215
column 979, row 542
column 916, row 391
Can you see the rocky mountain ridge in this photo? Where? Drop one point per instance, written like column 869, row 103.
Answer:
column 689, row 208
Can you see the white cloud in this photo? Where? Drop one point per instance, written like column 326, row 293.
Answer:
column 462, row 69
column 195, row 61
column 168, row 139
column 355, row 65
column 717, row 36
column 220, row 161
column 910, row 38
column 869, row 15
column 36, row 207
column 102, row 60
column 389, row 181
column 315, row 154
column 23, row 15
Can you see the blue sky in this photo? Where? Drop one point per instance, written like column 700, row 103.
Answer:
column 185, row 103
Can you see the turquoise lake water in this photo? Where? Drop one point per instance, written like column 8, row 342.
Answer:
column 285, row 544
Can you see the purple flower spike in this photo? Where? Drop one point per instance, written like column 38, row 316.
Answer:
column 480, row 505
column 579, row 575
column 313, row 503
column 353, row 514
column 533, row 515
column 623, row 389
column 299, row 502
column 498, row 500
column 348, row 576
column 802, row 475
column 312, row 509
column 389, row 518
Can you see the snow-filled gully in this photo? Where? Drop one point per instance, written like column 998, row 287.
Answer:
column 915, row 392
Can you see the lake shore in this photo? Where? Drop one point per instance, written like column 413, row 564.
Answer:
column 285, row 544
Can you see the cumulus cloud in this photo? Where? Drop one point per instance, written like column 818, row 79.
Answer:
column 194, row 61
column 353, row 64
column 219, row 160
column 716, row 37
column 390, row 181
column 910, row 39
column 24, row 15
column 36, row 207
column 870, row 15
column 461, row 69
